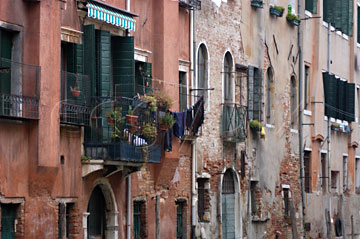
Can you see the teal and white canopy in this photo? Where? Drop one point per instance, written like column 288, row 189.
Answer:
column 111, row 16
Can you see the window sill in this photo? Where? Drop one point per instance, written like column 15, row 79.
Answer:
column 294, row 131
column 308, row 112
column 307, row 13
column 270, row 126
column 358, row 45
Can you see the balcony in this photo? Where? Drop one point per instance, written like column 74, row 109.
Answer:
column 113, row 136
column 19, row 92
column 233, row 123
column 75, row 99
column 190, row 4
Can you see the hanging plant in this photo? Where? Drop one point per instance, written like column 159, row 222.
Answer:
column 75, row 91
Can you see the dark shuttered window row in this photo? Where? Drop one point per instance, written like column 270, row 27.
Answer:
column 339, row 13
column 311, row 6
column 339, row 98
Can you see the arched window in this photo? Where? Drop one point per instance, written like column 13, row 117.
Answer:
column 202, row 73
column 293, row 101
column 228, row 91
column 269, row 94
column 228, row 183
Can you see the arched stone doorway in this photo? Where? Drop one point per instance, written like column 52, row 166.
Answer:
column 230, row 205
column 102, row 222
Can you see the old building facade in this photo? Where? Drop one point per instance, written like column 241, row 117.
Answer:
column 265, row 97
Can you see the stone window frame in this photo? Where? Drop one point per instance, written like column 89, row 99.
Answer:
column 184, row 201
column 16, row 55
column 143, row 219
column 204, row 192
column 64, row 215
column 20, row 219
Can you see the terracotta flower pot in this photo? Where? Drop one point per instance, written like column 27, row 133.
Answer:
column 163, row 127
column 75, row 93
column 110, row 121
column 131, row 119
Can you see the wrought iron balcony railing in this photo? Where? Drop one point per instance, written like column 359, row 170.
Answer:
column 19, row 92
column 75, row 99
column 233, row 123
column 114, row 135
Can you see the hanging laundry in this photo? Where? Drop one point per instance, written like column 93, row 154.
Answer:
column 168, row 140
column 189, row 118
column 179, row 125
column 198, row 115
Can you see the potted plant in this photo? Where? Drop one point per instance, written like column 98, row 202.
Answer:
column 255, row 125
column 163, row 101
column 292, row 19
column 149, row 132
column 130, row 117
column 257, row 3
column 151, row 102
column 167, row 121
column 277, row 11
column 335, row 126
column 75, row 91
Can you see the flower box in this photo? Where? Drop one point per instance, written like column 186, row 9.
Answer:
column 277, row 11
column 257, row 3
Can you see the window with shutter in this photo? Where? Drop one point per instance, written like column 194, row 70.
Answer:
column 255, row 93
column 340, row 99
column 6, row 38
column 123, row 66
column 340, row 14
column 307, row 171
column 311, row 6
column 143, row 77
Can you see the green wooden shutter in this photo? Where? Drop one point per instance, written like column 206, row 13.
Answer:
column 5, row 61
column 123, row 66
column 350, row 102
column 344, row 16
column 350, row 18
column 103, row 62
column 330, row 11
column 340, row 99
column 251, row 92
column 325, row 11
column 330, row 88
column 339, row 15
column 90, row 56
column 311, row 6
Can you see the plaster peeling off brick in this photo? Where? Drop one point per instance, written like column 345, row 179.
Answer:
column 176, row 177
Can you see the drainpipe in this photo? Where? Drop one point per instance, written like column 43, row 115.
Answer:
column 329, row 134
column 128, row 219
column 301, row 122
column 128, row 5
column 193, row 153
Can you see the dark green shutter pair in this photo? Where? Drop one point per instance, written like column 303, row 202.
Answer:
column 340, row 14
column 339, row 98
column 103, row 51
column 5, row 61
column 311, row 6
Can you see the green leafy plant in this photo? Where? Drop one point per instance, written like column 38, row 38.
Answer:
column 118, row 120
column 85, row 158
column 168, row 120
column 279, row 8
column 152, row 103
column 163, row 101
column 149, row 132
column 130, row 111
column 255, row 125
column 291, row 17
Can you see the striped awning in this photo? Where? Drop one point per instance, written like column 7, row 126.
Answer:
column 111, row 16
